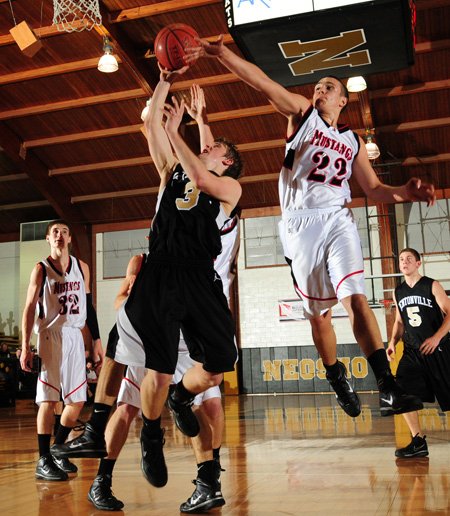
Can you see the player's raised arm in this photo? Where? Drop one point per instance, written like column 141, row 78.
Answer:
column 287, row 103
column 225, row 189
column 158, row 143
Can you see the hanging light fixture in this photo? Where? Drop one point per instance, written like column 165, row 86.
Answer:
column 372, row 148
column 145, row 110
column 355, row 84
column 107, row 63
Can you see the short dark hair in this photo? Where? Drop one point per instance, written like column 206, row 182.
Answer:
column 235, row 169
column 54, row 222
column 412, row 251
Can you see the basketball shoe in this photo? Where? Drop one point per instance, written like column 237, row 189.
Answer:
column 101, row 495
column 65, row 465
column 204, row 498
column 46, row 469
column 345, row 395
column 393, row 399
column 90, row 444
column 185, row 419
column 153, row 464
column 416, row 448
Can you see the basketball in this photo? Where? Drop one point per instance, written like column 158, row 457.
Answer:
column 170, row 44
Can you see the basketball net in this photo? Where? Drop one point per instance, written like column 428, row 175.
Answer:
column 76, row 15
column 388, row 305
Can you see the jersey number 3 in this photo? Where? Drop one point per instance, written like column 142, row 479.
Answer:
column 191, row 195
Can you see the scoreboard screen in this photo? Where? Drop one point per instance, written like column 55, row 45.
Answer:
column 249, row 11
column 298, row 42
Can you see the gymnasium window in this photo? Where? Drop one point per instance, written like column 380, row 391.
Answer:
column 262, row 243
column 119, row 247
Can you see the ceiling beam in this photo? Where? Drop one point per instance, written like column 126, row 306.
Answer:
column 91, row 167
column 410, row 89
column 23, row 205
column 145, row 11
column 41, row 32
column 73, row 104
column 86, row 135
column 48, row 71
column 13, row 177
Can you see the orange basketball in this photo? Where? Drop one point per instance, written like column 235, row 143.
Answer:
column 170, row 44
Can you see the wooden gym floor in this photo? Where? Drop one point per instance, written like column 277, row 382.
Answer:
column 283, row 455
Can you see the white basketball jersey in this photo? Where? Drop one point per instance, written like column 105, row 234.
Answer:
column 223, row 265
column 62, row 299
column 317, row 165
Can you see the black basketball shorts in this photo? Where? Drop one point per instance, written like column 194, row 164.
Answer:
column 426, row 376
column 169, row 296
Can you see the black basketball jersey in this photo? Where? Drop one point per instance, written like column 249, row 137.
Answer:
column 187, row 222
column 419, row 310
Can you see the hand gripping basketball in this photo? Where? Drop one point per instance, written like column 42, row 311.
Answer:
column 171, row 42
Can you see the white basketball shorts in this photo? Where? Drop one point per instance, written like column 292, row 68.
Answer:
column 325, row 250
column 63, row 366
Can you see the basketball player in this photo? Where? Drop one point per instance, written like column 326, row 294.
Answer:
column 423, row 321
column 207, row 405
column 178, row 287
column 59, row 287
column 320, row 238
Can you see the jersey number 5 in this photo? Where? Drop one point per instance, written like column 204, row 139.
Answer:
column 414, row 318
column 191, row 195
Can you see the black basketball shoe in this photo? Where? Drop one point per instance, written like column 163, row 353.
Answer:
column 153, row 464
column 46, row 469
column 185, row 419
column 65, row 465
column 88, row 445
column 345, row 395
column 416, row 448
column 393, row 400
column 204, row 498
column 100, row 494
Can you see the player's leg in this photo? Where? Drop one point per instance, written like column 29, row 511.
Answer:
column 48, row 394
column 418, row 446
column 58, row 411
column 194, row 381
column 100, row 493
column 345, row 267
column 92, row 442
column 116, row 433
column 154, row 391
column 209, row 413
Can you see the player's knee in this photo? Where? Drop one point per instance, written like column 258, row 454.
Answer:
column 212, row 407
column 127, row 412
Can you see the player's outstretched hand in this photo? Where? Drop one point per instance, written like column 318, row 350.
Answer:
column 419, row 191
column 171, row 75
column 197, row 108
column 205, row 48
